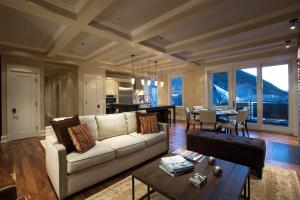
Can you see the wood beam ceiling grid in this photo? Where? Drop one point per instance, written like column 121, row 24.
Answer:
column 72, row 26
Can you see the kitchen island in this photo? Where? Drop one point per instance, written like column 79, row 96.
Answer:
column 162, row 110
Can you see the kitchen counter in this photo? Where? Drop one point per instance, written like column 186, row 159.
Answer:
column 162, row 110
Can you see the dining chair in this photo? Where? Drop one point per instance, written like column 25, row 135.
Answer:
column 240, row 123
column 198, row 107
column 208, row 120
column 189, row 120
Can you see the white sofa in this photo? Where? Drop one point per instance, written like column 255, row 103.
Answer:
column 118, row 148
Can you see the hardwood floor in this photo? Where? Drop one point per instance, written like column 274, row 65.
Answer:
column 22, row 162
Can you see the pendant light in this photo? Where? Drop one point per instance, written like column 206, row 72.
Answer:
column 161, row 78
column 132, row 78
column 155, row 77
column 149, row 78
column 143, row 80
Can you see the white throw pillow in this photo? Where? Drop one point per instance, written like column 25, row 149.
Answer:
column 90, row 120
column 111, row 125
column 131, row 121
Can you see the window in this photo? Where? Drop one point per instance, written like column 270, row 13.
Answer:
column 176, row 91
column 153, row 93
column 219, row 88
column 246, row 92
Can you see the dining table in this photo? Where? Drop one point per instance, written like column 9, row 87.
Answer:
column 219, row 113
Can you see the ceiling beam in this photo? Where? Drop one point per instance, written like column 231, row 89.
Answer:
column 37, row 55
column 136, row 59
column 114, row 37
column 240, row 46
column 151, row 65
column 252, row 24
column 163, row 22
column 90, row 12
column 96, row 54
column 249, row 56
column 39, row 11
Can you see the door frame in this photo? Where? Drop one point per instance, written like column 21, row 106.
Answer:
column 259, row 63
column 22, row 69
column 93, row 76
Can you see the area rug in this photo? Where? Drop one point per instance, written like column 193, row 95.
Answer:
column 276, row 184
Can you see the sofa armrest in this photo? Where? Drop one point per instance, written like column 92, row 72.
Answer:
column 56, row 165
column 165, row 128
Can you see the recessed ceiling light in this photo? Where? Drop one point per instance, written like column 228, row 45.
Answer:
column 288, row 43
column 293, row 23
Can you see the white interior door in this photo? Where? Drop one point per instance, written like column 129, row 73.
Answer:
column 22, row 105
column 92, row 95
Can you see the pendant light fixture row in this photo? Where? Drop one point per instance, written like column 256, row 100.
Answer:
column 161, row 78
column 132, row 77
column 149, row 75
column 155, row 77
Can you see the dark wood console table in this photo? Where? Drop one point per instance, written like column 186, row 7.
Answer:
column 163, row 111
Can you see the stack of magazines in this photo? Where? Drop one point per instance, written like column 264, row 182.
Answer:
column 175, row 165
column 190, row 155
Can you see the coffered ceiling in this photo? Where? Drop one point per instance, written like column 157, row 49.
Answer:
column 176, row 33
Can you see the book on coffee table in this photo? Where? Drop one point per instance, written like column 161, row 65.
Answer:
column 190, row 155
column 176, row 164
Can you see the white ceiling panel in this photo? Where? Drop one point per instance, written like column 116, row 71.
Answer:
column 84, row 44
column 134, row 13
column 23, row 29
column 223, row 14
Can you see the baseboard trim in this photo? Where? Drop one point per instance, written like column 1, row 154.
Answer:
column 3, row 138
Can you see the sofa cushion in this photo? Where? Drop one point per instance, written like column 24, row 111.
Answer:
column 98, row 154
column 150, row 138
column 81, row 137
column 148, row 124
column 90, row 120
column 131, row 121
column 61, row 131
column 138, row 121
column 124, row 144
column 111, row 125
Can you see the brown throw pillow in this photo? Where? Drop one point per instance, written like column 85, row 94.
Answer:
column 138, row 121
column 81, row 137
column 61, row 131
column 149, row 124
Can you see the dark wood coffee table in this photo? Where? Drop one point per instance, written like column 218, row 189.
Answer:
column 233, row 183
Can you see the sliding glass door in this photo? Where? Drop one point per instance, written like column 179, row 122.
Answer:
column 275, row 93
column 263, row 90
column 219, row 89
column 246, row 91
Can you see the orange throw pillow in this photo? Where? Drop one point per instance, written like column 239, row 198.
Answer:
column 148, row 124
column 81, row 137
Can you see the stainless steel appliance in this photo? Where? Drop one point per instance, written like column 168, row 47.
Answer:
column 125, row 93
column 110, row 99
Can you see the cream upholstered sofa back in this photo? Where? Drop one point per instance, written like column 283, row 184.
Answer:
column 131, row 121
column 111, row 125
column 105, row 126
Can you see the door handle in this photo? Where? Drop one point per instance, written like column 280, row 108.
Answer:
column 98, row 106
column 14, row 110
